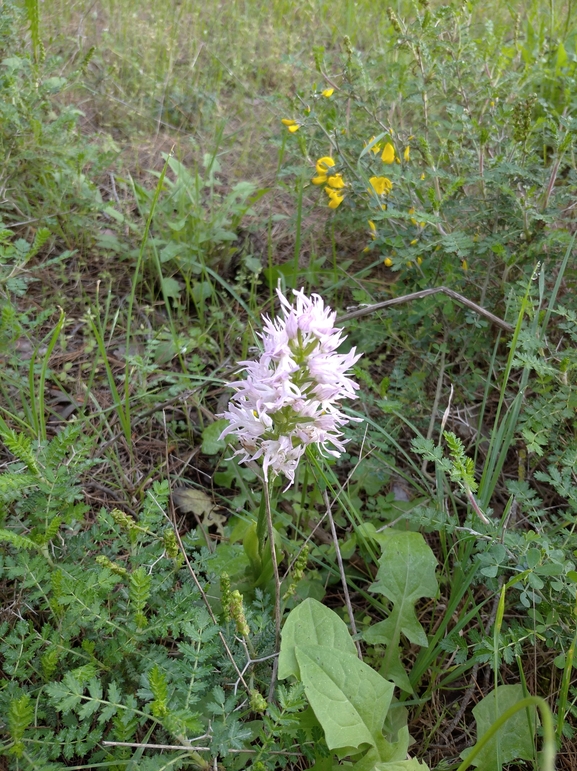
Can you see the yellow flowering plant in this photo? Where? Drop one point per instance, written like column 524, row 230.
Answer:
column 368, row 171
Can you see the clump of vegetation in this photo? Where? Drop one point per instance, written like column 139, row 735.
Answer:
column 408, row 602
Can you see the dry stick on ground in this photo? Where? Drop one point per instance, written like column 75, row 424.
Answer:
column 364, row 311
column 342, row 572
column 185, row 748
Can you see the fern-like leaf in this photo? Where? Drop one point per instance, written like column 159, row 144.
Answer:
column 139, row 592
column 159, row 688
column 20, row 446
column 18, row 541
column 20, row 715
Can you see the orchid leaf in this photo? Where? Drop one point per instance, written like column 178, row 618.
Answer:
column 311, row 623
column 349, row 699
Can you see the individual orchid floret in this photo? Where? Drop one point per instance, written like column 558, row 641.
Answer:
column 289, row 398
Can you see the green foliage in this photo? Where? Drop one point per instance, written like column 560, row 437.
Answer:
column 15, row 255
column 350, row 700
column 20, row 716
column 406, row 573
column 107, row 637
column 85, row 660
column 46, row 161
column 139, row 592
column 197, row 228
column 517, row 737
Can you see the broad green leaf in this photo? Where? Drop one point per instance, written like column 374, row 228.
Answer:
column 561, row 58
column 349, row 699
column 392, row 668
column 311, row 623
column 516, row 739
column 402, row 765
column 171, row 287
column 406, row 573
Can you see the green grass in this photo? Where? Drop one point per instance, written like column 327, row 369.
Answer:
column 174, row 203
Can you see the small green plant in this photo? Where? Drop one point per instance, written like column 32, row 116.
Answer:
column 196, row 227
column 85, row 640
column 354, row 704
column 48, row 167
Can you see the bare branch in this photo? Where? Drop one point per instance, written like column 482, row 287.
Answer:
column 364, row 311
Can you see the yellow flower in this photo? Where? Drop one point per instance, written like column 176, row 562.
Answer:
column 335, row 198
column 380, row 185
column 414, row 241
column 320, row 180
column 423, row 176
column 328, row 92
column 407, row 153
column 388, row 262
column 336, row 181
column 419, row 260
column 324, row 164
column 388, row 155
column 373, row 228
column 412, row 211
column 376, row 148
column 465, row 265
column 292, row 125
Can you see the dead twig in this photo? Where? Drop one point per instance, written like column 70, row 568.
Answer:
column 364, row 311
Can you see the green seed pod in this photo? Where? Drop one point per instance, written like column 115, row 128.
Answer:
column 393, row 18
column 237, row 612
column 171, row 544
column 298, row 572
column 257, row 701
column 103, row 560
column 123, row 520
column 225, row 596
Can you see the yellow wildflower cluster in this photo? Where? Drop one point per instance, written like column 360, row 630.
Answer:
column 333, row 181
column 292, row 125
column 380, row 185
column 388, row 154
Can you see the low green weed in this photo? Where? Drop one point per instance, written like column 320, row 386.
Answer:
column 49, row 169
column 196, row 230
column 440, row 146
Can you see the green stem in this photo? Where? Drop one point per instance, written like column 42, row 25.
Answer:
column 562, row 707
column 270, row 527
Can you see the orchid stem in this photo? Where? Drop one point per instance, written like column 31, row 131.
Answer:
column 277, row 610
